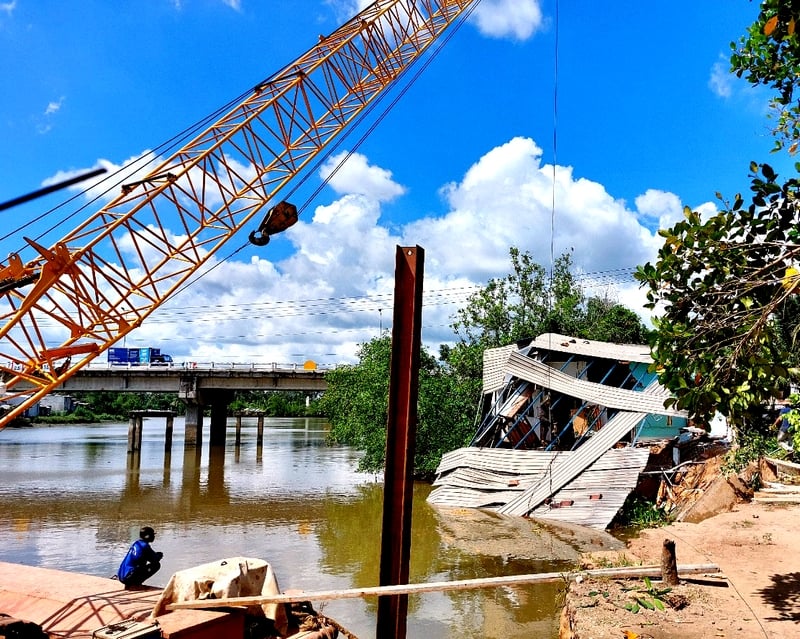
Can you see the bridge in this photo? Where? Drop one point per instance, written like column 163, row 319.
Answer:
column 199, row 384
column 191, row 379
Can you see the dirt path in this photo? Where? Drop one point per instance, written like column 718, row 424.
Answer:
column 757, row 547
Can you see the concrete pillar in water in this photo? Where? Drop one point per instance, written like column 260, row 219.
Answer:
column 219, row 417
column 168, row 434
column 139, row 430
column 194, row 425
column 238, row 431
column 260, row 432
column 134, row 433
column 131, row 433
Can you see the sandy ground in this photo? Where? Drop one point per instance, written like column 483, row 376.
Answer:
column 757, row 547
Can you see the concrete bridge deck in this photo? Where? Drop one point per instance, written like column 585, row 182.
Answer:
column 197, row 376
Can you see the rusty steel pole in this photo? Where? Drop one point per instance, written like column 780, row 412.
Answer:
column 401, row 432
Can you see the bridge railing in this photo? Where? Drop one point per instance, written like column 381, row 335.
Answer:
column 270, row 367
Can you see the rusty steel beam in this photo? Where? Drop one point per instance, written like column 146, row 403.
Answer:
column 401, row 432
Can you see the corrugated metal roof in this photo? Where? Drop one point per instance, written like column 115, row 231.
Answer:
column 534, row 371
column 591, row 499
column 561, row 474
column 494, row 362
column 578, row 346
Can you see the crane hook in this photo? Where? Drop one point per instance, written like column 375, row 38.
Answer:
column 279, row 218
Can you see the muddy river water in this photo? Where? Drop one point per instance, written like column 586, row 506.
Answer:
column 72, row 498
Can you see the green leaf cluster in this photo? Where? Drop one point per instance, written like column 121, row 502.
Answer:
column 725, row 284
column 356, row 404
column 653, row 601
column 769, row 55
column 720, row 283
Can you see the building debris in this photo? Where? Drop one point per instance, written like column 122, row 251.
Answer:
column 564, row 431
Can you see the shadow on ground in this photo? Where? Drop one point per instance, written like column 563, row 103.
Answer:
column 783, row 594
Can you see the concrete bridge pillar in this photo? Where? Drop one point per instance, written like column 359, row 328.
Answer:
column 219, row 401
column 168, row 434
column 134, row 433
column 238, row 431
column 194, row 425
column 260, row 432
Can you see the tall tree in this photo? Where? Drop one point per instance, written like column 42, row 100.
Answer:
column 356, row 404
column 523, row 304
column 528, row 302
column 722, row 283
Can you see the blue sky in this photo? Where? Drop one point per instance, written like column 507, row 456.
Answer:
column 631, row 102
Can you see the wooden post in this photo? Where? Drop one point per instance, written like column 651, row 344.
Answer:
column 401, row 432
column 238, row 431
column 260, row 432
column 669, row 565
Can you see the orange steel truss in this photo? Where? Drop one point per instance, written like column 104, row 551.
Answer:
column 77, row 298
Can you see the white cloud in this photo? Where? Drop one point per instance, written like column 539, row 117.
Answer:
column 334, row 290
column 45, row 123
column 353, row 174
column 107, row 186
column 665, row 208
column 236, row 5
column 507, row 198
column 519, row 19
column 346, row 9
column 54, row 107
column 8, row 7
column 721, row 80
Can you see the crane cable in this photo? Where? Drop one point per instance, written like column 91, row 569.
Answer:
column 176, row 141
column 552, row 236
column 336, row 144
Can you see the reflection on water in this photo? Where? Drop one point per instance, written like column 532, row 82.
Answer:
column 72, row 498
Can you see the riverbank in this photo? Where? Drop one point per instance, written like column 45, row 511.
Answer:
column 756, row 548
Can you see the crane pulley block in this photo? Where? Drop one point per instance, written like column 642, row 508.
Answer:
column 279, row 218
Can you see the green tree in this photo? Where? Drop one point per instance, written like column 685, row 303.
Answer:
column 724, row 341
column 357, row 399
column 769, row 55
column 526, row 303
column 523, row 304
column 607, row 321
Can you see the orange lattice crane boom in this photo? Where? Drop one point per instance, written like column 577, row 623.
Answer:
column 73, row 300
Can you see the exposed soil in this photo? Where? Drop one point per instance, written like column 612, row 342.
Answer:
column 757, row 548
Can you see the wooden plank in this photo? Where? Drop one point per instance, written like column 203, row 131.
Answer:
column 444, row 586
column 776, row 499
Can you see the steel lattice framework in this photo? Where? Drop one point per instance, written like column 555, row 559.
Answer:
column 74, row 300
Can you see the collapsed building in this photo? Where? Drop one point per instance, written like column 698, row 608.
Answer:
column 564, row 431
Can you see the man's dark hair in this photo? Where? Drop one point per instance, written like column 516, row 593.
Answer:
column 147, row 533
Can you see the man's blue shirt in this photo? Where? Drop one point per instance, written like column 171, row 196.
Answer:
column 139, row 554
